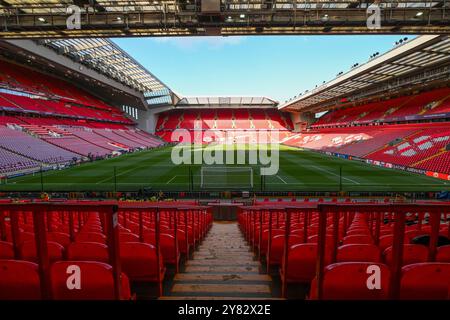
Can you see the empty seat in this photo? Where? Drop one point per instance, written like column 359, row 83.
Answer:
column 443, row 254
column 28, row 251
column 358, row 253
column 425, row 281
column 6, row 250
column 301, row 263
column 88, row 251
column 358, row 239
column 91, row 237
column 348, row 281
column 19, row 280
column 277, row 244
column 128, row 237
column 139, row 262
column 412, row 253
column 96, row 281
column 60, row 237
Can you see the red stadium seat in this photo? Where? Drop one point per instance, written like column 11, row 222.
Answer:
column 88, row 251
column 97, row 282
column 358, row 253
column 412, row 253
column 425, row 281
column 301, row 263
column 128, row 237
column 91, row 237
column 139, row 262
column 6, row 250
column 59, row 237
column 28, row 251
column 348, row 281
column 277, row 249
column 443, row 254
column 358, row 239
column 19, row 280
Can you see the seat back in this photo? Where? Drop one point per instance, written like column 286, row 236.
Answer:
column 425, row 281
column 358, row 253
column 28, row 251
column 88, row 251
column 60, row 237
column 6, row 250
column 443, row 254
column 349, row 281
column 91, row 237
column 412, row 253
column 301, row 263
column 19, row 280
column 139, row 261
column 96, row 281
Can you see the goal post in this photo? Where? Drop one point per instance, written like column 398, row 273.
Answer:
column 214, row 177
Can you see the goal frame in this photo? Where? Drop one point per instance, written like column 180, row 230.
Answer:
column 225, row 170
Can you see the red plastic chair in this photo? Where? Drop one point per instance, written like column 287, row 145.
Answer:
column 412, row 253
column 425, row 281
column 358, row 253
column 91, row 237
column 443, row 254
column 88, row 251
column 59, row 237
column 19, row 280
column 301, row 263
column 6, row 250
column 139, row 262
column 348, row 281
column 97, row 282
column 28, row 251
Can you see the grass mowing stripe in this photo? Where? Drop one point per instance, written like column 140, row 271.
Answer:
column 334, row 174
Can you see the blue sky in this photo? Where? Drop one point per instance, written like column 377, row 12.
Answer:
column 276, row 67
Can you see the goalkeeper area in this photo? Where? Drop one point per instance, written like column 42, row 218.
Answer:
column 230, row 177
column 299, row 170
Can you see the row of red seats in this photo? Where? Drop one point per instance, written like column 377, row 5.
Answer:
column 25, row 79
column 427, row 103
column 146, row 249
column 360, row 241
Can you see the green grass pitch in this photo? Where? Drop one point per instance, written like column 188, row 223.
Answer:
column 299, row 171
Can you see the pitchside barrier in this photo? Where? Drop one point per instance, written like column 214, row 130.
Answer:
column 123, row 246
column 304, row 242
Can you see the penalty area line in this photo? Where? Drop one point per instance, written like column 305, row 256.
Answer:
column 171, row 179
column 281, row 179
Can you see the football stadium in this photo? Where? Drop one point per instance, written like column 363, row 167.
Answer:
column 115, row 185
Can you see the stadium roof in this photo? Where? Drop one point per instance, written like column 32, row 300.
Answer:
column 107, row 18
column 421, row 53
column 105, row 56
column 226, row 102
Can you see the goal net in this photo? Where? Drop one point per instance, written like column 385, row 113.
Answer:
column 212, row 177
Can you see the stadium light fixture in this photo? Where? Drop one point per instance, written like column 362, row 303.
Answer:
column 418, row 14
column 41, row 19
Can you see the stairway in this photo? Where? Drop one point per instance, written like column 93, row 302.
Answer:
column 222, row 268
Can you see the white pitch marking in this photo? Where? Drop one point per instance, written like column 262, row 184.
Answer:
column 330, row 172
column 281, row 179
column 171, row 179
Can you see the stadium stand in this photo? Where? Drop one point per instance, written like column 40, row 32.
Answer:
column 422, row 146
column 226, row 120
column 397, row 109
column 83, row 235
column 50, row 121
column 346, row 240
